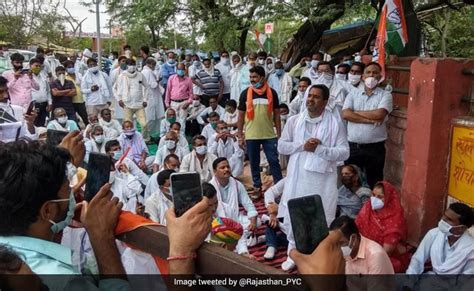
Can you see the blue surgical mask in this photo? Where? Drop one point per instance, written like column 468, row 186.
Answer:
column 171, row 62
column 180, row 72
column 376, row 203
column 60, row 225
column 279, row 72
column 258, row 85
column 70, row 71
column 117, row 155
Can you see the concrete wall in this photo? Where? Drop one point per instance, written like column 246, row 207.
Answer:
column 396, row 127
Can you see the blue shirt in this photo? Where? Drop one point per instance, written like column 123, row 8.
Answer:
column 49, row 258
column 167, row 71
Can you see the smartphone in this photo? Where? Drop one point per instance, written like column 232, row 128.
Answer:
column 308, row 222
column 25, row 71
column 31, row 107
column 54, row 137
column 98, row 173
column 186, row 191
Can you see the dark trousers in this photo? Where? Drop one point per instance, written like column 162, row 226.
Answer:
column 192, row 128
column 271, row 152
column 205, row 99
column 370, row 158
column 274, row 239
column 42, row 114
column 81, row 110
column 224, row 99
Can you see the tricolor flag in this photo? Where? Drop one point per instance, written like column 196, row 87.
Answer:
column 262, row 39
column 392, row 34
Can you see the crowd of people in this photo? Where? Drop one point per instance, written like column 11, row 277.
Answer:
column 318, row 127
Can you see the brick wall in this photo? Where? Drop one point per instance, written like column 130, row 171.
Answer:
column 396, row 126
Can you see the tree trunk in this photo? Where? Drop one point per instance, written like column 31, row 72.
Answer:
column 306, row 41
column 444, row 36
column 154, row 39
column 243, row 39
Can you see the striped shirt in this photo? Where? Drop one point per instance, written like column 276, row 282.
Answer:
column 211, row 83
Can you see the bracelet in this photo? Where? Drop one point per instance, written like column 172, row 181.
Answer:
column 174, row 258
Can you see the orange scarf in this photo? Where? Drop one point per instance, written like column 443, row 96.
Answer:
column 265, row 89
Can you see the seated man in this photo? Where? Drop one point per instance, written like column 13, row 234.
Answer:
column 209, row 131
column 114, row 150
column 61, row 122
column 191, row 113
column 231, row 116
column 160, row 200
column 199, row 160
column 231, row 193
column 171, row 118
column 112, row 128
column 182, row 141
column 138, row 152
column 171, row 162
column 449, row 247
column 93, row 120
column 96, row 143
column 39, row 204
column 225, row 145
column 171, row 147
column 353, row 193
column 362, row 255
column 213, row 107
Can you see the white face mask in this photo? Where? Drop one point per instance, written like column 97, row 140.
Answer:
column 270, row 66
column 371, row 82
column 347, row 250
column 201, row 150
column 444, row 227
column 99, row 138
column 340, row 76
column 62, row 119
column 196, row 103
column 376, row 203
column 61, row 79
column 353, row 79
column 314, row 63
column 325, row 79
column 131, row 69
column 94, row 69
column 170, row 144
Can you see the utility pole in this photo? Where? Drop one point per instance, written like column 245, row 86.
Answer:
column 97, row 17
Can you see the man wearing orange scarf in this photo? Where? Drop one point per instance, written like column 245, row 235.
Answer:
column 258, row 116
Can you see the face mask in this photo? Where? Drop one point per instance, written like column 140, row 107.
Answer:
column 94, row 70
column 99, row 138
column 71, row 171
column 214, row 125
column 357, row 58
column 172, row 62
column 251, row 63
column 61, row 79
column 123, row 67
column 50, row 58
column 340, row 76
column 261, row 61
column 59, row 226
column 197, row 64
column 196, row 103
column 371, row 82
column 70, row 71
column 131, row 69
column 36, row 71
column 376, row 203
column 258, row 85
column 314, row 63
column 347, row 181
column 171, row 119
column 283, row 117
column 62, row 120
column 279, row 72
column 129, row 132
column 225, row 61
column 170, row 144
column 308, row 63
column 270, row 66
column 353, row 79
column 444, row 227
column 201, row 150
column 117, row 155
column 180, row 72
column 128, row 53
column 346, row 250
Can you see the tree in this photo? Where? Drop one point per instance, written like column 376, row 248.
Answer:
column 51, row 27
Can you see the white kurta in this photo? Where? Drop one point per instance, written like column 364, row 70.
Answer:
column 230, row 150
column 155, row 110
column 312, row 173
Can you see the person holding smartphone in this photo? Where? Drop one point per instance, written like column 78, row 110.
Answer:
column 20, row 82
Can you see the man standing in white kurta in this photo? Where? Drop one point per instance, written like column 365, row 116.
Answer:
column 315, row 140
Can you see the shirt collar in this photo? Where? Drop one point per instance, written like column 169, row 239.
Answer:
column 362, row 247
column 47, row 248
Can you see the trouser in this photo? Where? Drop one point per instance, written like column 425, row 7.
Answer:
column 141, row 118
column 271, row 152
column 274, row 239
column 225, row 97
column 81, row 110
column 370, row 158
column 177, row 104
column 192, row 128
column 95, row 109
column 42, row 114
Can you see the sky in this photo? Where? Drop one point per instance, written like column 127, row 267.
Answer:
column 79, row 12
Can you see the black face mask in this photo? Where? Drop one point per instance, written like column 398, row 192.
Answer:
column 347, row 181
column 17, row 68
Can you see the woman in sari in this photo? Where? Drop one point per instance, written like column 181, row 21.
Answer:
column 382, row 221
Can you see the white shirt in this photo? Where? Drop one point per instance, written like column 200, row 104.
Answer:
column 101, row 96
column 225, row 73
column 208, row 132
column 156, row 206
column 44, row 92
column 274, row 192
column 163, row 152
column 132, row 89
column 191, row 163
column 10, row 134
column 202, row 118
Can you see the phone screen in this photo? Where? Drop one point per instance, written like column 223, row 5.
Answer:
column 54, row 137
column 308, row 222
column 98, row 173
column 186, row 190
